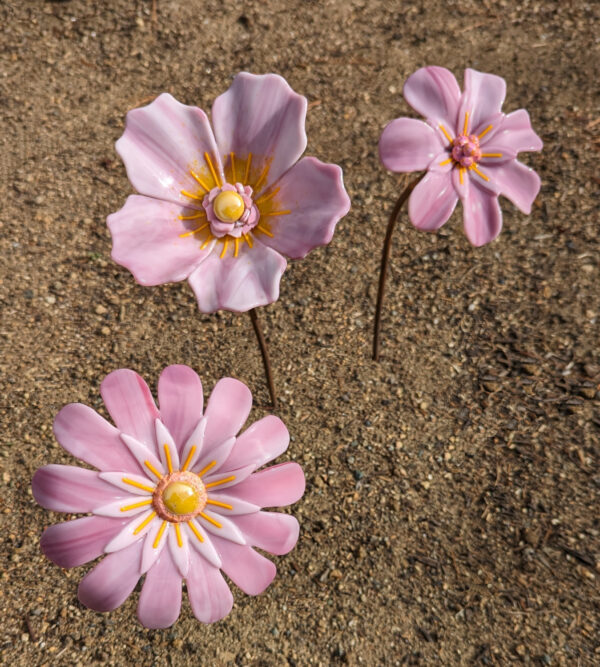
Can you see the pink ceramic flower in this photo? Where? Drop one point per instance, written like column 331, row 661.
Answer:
column 468, row 147
column 176, row 496
column 223, row 209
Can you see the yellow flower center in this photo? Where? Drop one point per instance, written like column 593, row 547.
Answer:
column 181, row 498
column 228, row 206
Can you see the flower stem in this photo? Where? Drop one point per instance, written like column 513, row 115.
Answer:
column 385, row 257
column 265, row 355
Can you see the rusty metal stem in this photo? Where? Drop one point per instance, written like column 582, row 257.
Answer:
column 265, row 355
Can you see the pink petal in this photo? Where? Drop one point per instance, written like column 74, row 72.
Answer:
column 181, row 401
column 432, row 201
column 314, row 193
column 74, row 543
column 161, row 143
column 483, row 98
column 131, row 406
column 482, row 216
column 245, row 567
column 210, row 597
column 235, row 477
column 434, row 93
column 226, row 529
column 165, row 443
column 262, row 442
column 180, row 554
column 261, row 115
column 205, row 548
column 512, row 133
column 407, row 144
column 238, row 506
column 274, row 532
column 143, row 456
column 150, row 553
column 238, row 283
column 515, row 181
column 227, row 410
column 70, row 489
column 276, row 486
column 127, row 536
column 111, row 582
column 215, row 458
column 87, row 436
column 194, row 446
column 147, row 240
column 160, row 599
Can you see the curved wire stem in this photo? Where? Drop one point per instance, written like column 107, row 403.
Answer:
column 385, row 258
column 265, row 355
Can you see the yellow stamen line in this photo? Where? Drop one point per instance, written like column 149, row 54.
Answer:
column 210, row 520
column 200, row 182
column 206, row 468
column 212, row 169
column 261, row 178
column 461, row 175
column 237, row 247
column 225, row 244
column 161, row 530
column 194, row 231
column 208, row 240
column 491, row 155
column 233, row 175
column 200, row 214
column 286, row 212
column 445, row 131
column 487, row 129
column 152, row 469
column 196, row 532
column 264, row 230
column 136, row 505
column 248, row 163
column 137, row 485
column 144, row 523
column 219, row 482
column 168, row 457
column 263, row 198
column 445, row 162
column 218, row 503
column 466, row 125
column 190, row 195
column 189, row 458
column 474, row 168
column 178, row 534
column 248, row 240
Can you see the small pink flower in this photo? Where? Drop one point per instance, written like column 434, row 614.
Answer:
column 176, row 496
column 223, row 209
column 468, row 147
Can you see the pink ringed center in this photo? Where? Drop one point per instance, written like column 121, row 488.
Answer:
column 466, row 150
column 185, row 478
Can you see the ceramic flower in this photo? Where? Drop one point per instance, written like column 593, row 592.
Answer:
column 468, row 147
column 224, row 206
column 176, row 496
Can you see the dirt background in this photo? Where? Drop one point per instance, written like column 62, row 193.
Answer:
column 451, row 511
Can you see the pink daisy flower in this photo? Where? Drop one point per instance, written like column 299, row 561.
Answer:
column 175, row 497
column 468, row 147
column 224, row 209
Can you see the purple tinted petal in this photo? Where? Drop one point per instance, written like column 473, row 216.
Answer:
column 432, row 201
column 70, row 489
column 515, row 181
column 271, row 531
column 482, row 216
column 210, row 597
column 276, row 486
column 147, row 240
column 161, row 143
column 111, row 582
column 434, row 93
column 262, row 442
column 314, row 194
column 245, row 567
column 74, row 543
column 227, row 410
column 160, row 599
column 511, row 133
column 89, row 437
column 238, row 283
column 483, row 98
column 261, row 115
column 408, row 144
column 181, row 401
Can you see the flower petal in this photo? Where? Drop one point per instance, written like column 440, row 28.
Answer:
column 274, row 532
column 131, row 406
column 167, row 450
column 261, row 115
column 276, row 486
column 136, row 484
column 215, row 458
column 210, row 597
column 144, row 457
column 408, row 144
column 150, row 552
column 111, row 582
column 435, row 94
column 262, row 442
column 220, row 526
column 160, row 599
column 314, row 194
column 205, row 546
column 512, row 132
column 245, row 567
column 181, row 401
column 161, row 143
column 180, row 553
column 237, row 506
column 149, row 240
column 432, row 201
column 86, row 435
column 130, row 534
column 124, row 508
column 483, row 98
column 227, row 410
column 238, row 283
column 482, row 216
column 194, row 446
column 227, row 479
column 74, row 543
column 70, row 489
column 515, row 181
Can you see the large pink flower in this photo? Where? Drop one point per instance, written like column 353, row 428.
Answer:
column 223, row 209
column 177, row 496
column 468, row 147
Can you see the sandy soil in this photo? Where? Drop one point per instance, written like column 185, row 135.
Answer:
column 451, row 512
